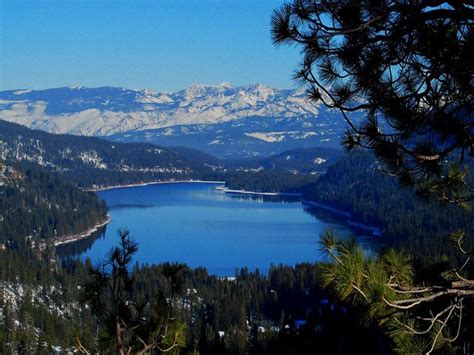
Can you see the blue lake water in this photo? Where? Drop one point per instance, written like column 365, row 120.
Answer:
column 199, row 226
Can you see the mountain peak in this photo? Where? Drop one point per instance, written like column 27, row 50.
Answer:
column 225, row 85
column 76, row 87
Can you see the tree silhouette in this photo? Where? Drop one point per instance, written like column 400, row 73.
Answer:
column 135, row 327
column 407, row 65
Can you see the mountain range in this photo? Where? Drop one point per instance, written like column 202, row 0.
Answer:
column 226, row 121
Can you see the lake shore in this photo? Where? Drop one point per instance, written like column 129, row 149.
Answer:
column 337, row 211
column 258, row 193
column 75, row 237
column 112, row 187
column 375, row 231
column 222, row 189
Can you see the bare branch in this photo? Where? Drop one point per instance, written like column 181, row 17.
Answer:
column 81, row 348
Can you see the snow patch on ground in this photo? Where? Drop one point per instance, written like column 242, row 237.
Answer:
column 19, row 92
column 269, row 137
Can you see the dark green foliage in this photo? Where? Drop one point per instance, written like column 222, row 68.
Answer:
column 355, row 184
column 91, row 162
column 284, row 312
column 36, row 297
column 41, row 206
column 407, row 65
column 267, row 181
column 39, row 304
column 289, row 299
column 420, row 316
column 132, row 324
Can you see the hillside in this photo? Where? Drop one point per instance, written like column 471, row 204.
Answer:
column 90, row 161
column 37, row 206
column 313, row 160
column 354, row 184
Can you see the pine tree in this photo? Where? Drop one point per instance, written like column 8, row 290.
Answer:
column 132, row 326
column 406, row 67
column 420, row 318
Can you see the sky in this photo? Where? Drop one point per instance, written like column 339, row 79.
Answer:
column 161, row 44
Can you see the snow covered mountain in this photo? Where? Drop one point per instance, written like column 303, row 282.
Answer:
column 223, row 120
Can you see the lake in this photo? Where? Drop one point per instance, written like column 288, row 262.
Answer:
column 197, row 225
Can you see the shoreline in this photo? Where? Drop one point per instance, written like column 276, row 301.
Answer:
column 257, row 193
column 79, row 236
column 217, row 182
column 375, row 231
column 342, row 213
column 138, row 184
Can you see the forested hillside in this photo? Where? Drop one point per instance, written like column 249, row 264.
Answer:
column 268, row 181
column 314, row 160
column 90, row 161
column 37, row 298
column 35, row 206
column 283, row 312
column 356, row 184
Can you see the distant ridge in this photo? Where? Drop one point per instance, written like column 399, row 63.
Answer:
column 222, row 120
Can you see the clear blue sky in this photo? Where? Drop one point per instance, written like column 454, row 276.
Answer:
column 161, row 44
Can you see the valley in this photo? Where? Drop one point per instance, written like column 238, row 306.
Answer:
column 272, row 177
column 62, row 187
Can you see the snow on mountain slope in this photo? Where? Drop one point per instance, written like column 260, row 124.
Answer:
column 107, row 110
column 221, row 120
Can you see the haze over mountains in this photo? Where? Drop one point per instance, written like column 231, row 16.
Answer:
column 226, row 121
